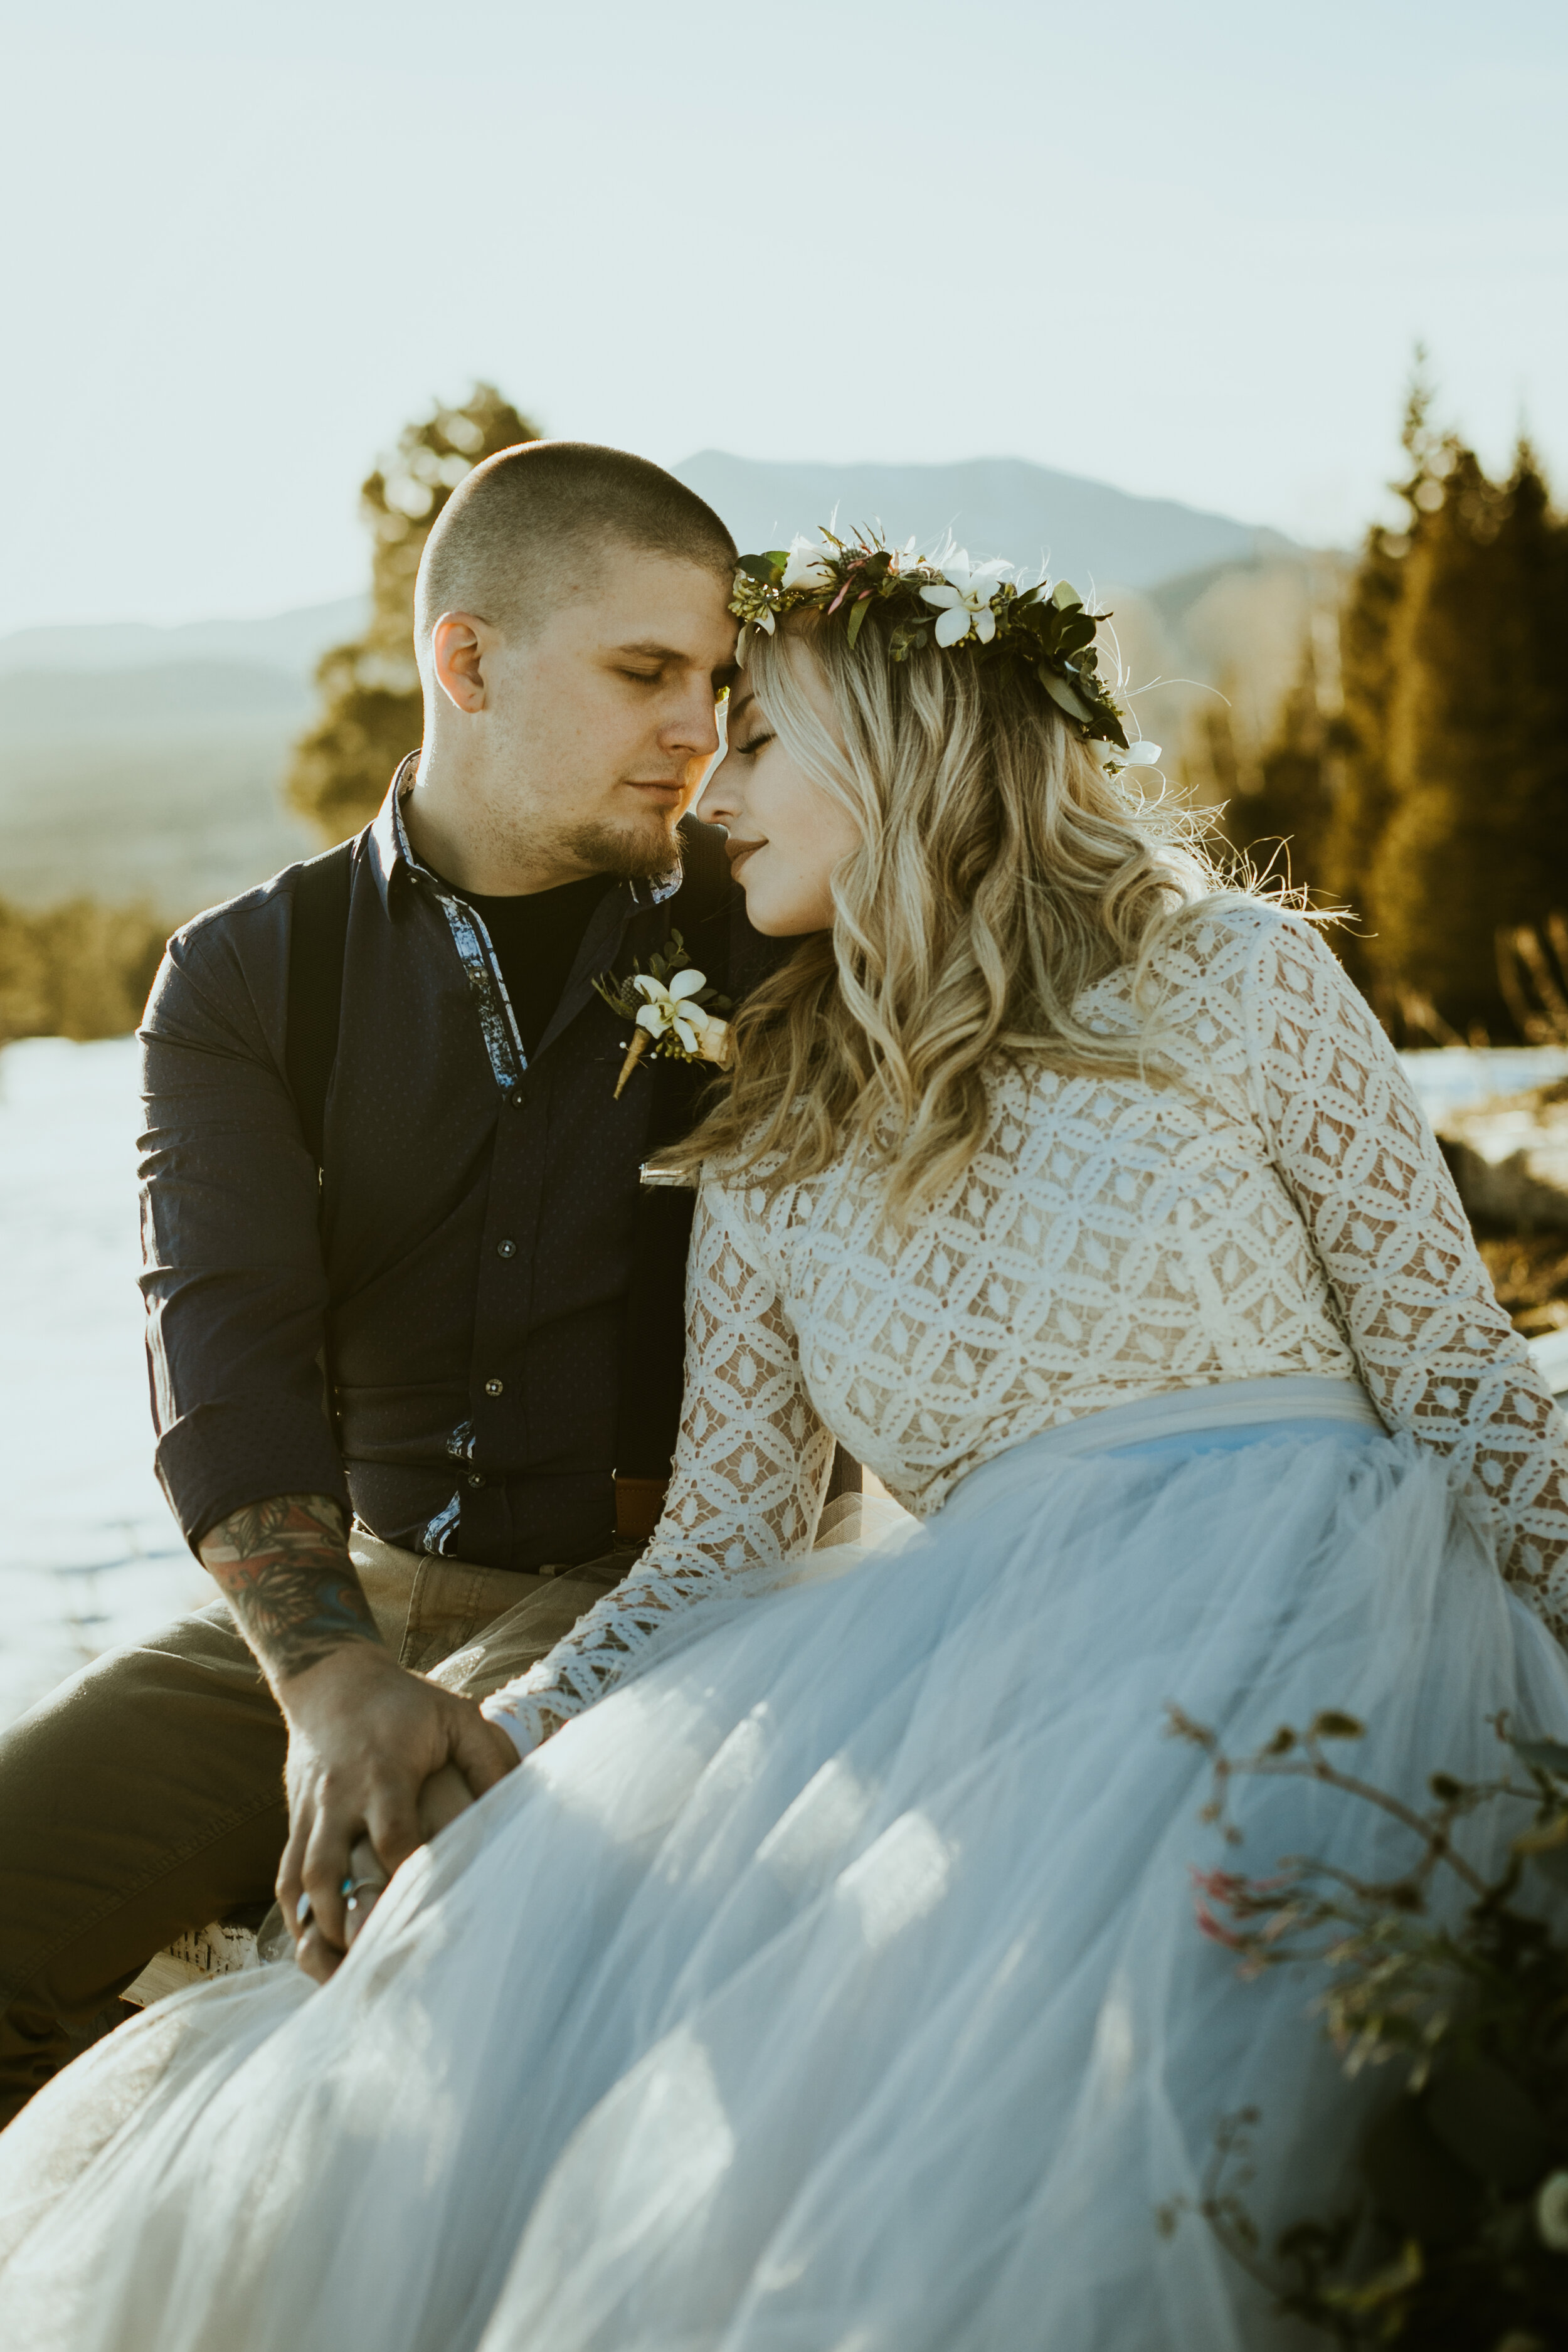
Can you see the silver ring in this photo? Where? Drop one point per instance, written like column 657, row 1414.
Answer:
column 304, row 1911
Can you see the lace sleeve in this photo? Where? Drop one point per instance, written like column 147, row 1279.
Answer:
column 1438, row 1354
column 751, row 1469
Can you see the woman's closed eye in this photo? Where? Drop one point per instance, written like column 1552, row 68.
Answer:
column 748, row 750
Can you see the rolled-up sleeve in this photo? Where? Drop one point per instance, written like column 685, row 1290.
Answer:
column 232, row 1268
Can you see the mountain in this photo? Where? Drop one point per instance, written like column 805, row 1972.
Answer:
column 157, row 785
column 1223, row 644
column 292, row 641
column 142, row 762
column 1208, row 613
column 1084, row 531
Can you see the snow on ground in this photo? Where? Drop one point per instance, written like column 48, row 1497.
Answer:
column 1459, row 1075
column 89, row 1555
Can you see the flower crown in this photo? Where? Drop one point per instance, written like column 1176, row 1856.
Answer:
column 973, row 606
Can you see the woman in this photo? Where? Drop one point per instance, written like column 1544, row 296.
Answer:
column 826, row 1977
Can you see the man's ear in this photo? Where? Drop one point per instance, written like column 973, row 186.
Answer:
column 457, row 644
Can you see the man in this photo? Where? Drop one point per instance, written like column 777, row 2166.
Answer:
column 440, row 1327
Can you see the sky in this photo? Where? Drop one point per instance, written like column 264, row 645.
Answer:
column 1185, row 249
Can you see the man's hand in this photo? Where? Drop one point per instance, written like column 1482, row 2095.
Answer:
column 363, row 1735
column 363, row 1738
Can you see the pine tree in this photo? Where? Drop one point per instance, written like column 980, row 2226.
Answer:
column 1361, row 796
column 1279, row 820
column 372, row 717
column 1475, row 740
column 1434, row 804
column 1317, row 803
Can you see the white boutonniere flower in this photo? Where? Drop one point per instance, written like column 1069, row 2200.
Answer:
column 673, row 1010
column 670, row 1008
column 963, row 598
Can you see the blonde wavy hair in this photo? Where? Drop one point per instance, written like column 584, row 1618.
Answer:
column 1001, row 871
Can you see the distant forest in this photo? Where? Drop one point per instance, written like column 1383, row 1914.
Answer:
column 77, row 971
column 1418, row 775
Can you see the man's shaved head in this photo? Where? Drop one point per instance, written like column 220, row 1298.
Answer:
column 536, row 526
column 574, row 633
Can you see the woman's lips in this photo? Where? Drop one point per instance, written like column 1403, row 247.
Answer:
column 737, row 851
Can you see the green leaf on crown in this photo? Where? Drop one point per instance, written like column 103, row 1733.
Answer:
column 1076, row 632
column 1064, row 697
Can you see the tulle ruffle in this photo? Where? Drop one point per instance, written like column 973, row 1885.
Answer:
column 833, row 1985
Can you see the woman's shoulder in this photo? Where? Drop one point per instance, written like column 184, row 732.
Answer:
column 1212, row 947
column 1231, row 927
column 740, row 1191
column 1233, row 951
column 1214, row 982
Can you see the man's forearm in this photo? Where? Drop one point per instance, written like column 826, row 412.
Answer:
column 284, row 1569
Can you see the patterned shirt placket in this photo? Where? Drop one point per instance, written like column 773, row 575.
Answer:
column 503, row 1044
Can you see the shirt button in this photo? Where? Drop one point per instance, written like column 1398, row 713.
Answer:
column 506, row 1249
column 476, row 1478
column 492, row 1388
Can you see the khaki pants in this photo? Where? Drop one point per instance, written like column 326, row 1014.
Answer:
column 473, row 1629
column 144, row 1796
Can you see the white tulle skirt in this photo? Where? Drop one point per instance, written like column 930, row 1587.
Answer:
column 833, row 1987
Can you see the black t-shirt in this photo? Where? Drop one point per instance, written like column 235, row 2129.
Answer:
column 536, row 939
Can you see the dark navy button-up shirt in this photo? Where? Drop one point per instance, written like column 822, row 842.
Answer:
column 432, row 1330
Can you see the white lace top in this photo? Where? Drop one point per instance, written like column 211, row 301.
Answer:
column 1285, row 1210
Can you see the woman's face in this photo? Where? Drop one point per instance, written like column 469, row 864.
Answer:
column 786, row 836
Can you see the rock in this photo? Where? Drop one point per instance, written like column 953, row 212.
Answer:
column 1509, row 1159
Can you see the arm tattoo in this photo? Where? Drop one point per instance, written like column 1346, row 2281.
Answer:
column 284, row 1569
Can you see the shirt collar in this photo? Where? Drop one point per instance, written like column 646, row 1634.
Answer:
column 389, row 846
column 391, row 849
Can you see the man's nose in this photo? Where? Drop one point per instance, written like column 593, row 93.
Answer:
column 694, row 726
column 717, row 803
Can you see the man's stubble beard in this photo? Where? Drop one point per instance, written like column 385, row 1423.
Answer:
column 525, row 823
column 643, row 850
column 641, row 853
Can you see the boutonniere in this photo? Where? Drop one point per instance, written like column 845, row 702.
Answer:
column 675, row 1010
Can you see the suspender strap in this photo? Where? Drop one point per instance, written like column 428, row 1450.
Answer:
column 316, row 945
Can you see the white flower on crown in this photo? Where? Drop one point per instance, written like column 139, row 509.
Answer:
column 810, row 564
column 667, row 1008
column 1552, row 2212
column 1137, row 755
column 964, row 598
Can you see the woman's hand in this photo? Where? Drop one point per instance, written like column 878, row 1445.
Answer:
column 444, row 1796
